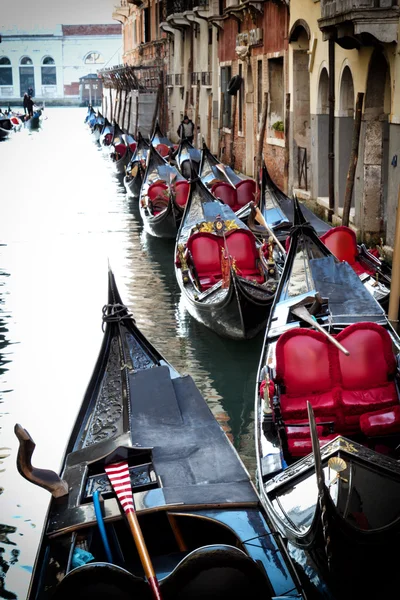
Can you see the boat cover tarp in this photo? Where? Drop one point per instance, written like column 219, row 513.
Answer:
column 319, row 225
column 349, row 300
column 191, row 453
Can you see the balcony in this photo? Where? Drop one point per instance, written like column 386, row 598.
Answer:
column 194, row 78
column 201, row 4
column 356, row 23
column 170, row 80
column 179, row 79
column 175, row 10
column 206, row 78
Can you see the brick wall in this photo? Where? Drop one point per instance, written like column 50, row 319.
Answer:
column 72, row 89
column 111, row 29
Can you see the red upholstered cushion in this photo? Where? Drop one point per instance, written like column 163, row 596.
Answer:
column 241, row 246
column 157, row 188
column 226, row 193
column 133, row 146
column 371, row 362
column 182, row 189
column 303, row 366
column 206, row 255
column 162, row 149
column 302, row 432
column 357, row 402
column 121, row 149
column 381, row 422
column 360, row 269
column 302, row 447
column 107, row 139
column 342, row 242
column 324, row 405
column 246, row 190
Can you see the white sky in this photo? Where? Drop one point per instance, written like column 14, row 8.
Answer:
column 29, row 14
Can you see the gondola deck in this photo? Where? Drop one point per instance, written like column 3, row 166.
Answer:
column 199, row 513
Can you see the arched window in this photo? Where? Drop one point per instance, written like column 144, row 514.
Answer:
column 49, row 75
column 94, row 58
column 26, row 76
column 5, row 71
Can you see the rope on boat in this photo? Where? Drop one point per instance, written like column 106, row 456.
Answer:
column 114, row 313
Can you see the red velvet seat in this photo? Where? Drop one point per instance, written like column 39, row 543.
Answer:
column 302, row 447
column 246, row 191
column 121, row 149
column 133, row 147
column 342, row 242
column 162, row 149
column 226, row 193
column 158, row 188
column 342, row 389
column 182, row 189
column 242, row 247
column 107, row 139
column 206, row 255
column 381, row 422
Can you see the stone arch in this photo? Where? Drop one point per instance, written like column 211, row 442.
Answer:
column 344, row 132
column 301, row 148
column 376, row 146
column 323, row 93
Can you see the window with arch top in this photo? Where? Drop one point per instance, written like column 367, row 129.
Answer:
column 5, row 71
column 26, row 61
column 49, row 73
column 94, row 58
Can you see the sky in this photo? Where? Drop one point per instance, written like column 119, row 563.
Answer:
column 47, row 13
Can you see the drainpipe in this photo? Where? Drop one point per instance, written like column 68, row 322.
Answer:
column 331, row 136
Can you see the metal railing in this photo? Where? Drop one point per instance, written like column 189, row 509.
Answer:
column 178, row 6
column 170, row 79
column 201, row 4
column 194, row 78
column 302, row 167
column 206, row 78
column 178, row 79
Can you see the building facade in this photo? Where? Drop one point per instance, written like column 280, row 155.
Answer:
column 51, row 62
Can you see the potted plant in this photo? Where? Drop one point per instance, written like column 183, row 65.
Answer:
column 279, row 129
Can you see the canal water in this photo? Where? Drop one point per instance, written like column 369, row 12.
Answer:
column 63, row 216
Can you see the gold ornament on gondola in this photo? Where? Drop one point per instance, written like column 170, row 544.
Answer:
column 338, row 465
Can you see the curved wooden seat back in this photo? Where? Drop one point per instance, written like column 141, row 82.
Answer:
column 342, row 242
column 246, row 191
column 206, row 255
column 182, row 189
column 217, row 572
column 226, row 193
column 242, row 248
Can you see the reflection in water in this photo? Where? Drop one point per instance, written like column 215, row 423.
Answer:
column 65, row 216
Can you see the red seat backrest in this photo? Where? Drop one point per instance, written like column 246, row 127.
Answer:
column 242, row 247
column 371, row 361
column 342, row 242
column 162, row 149
column 182, row 189
column 157, row 189
column 133, row 146
column 246, row 191
column 121, row 149
column 303, row 362
column 225, row 192
column 206, row 253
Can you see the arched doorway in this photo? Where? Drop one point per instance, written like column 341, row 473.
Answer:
column 322, row 127
column 26, row 75
column 345, row 125
column 301, row 149
column 376, row 146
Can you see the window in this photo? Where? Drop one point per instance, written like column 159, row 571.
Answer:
column 26, row 76
column 241, row 98
column 5, row 71
column 146, row 25
column 49, row 75
column 259, row 91
column 94, row 58
column 226, row 75
column 25, row 60
column 276, row 91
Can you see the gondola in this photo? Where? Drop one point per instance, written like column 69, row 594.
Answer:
column 201, row 527
column 34, row 122
column 130, row 141
column 228, row 281
column 6, row 127
column 120, row 152
column 161, row 143
column 136, row 168
column 163, row 197
column 90, row 114
column 188, row 159
column 97, row 126
column 355, row 399
column 235, row 191
column 277, row 210
column 107, row 133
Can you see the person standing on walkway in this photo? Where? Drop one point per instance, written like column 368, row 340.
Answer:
column 26, row 103
column 30, row 106
column 186, row 129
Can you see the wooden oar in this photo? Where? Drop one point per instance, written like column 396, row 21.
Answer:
column 118, row 474
column 260, row 218
column 302, row 313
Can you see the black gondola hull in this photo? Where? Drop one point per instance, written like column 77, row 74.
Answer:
column 133, row 185
column 163, row 225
